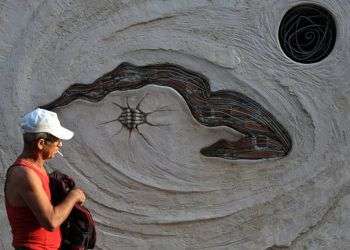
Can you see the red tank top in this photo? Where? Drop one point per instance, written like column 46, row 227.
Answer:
column 26, row 230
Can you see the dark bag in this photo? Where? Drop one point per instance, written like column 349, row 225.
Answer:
column 78, row 230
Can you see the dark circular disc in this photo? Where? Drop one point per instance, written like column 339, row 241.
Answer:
column 307, row 33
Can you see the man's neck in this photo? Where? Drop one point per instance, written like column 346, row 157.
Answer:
column 36, row 159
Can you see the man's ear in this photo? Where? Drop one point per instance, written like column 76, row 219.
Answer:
column 40, row 144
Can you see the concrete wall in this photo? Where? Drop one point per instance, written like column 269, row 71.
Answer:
column 169, row 196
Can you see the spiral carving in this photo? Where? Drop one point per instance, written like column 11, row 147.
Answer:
column 307, row 33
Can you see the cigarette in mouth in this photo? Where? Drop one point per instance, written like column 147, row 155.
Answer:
column 59, row 153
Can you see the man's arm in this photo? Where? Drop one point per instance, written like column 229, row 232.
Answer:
column 30, row 189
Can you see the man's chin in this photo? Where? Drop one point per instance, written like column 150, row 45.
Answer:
column 51, row 157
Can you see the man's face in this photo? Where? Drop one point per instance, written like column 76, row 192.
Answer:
column 51, row 148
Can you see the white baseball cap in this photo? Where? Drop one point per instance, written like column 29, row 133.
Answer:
column 41, row 120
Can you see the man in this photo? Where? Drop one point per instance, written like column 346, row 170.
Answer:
column 34, row 221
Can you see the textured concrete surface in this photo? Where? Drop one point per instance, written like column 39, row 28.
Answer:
column 169, row 196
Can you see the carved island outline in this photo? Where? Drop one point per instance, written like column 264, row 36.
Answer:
column 264, row 136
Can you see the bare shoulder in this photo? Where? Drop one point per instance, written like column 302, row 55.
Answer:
column 20, row 182
column 23, row 177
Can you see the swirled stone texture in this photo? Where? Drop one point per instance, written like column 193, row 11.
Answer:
column 137, row 151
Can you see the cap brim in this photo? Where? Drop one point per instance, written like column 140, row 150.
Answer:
column 62, row 133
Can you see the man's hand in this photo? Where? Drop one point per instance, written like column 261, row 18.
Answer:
column 78, row 195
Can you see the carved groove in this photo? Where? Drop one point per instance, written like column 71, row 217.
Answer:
column 264, row 136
